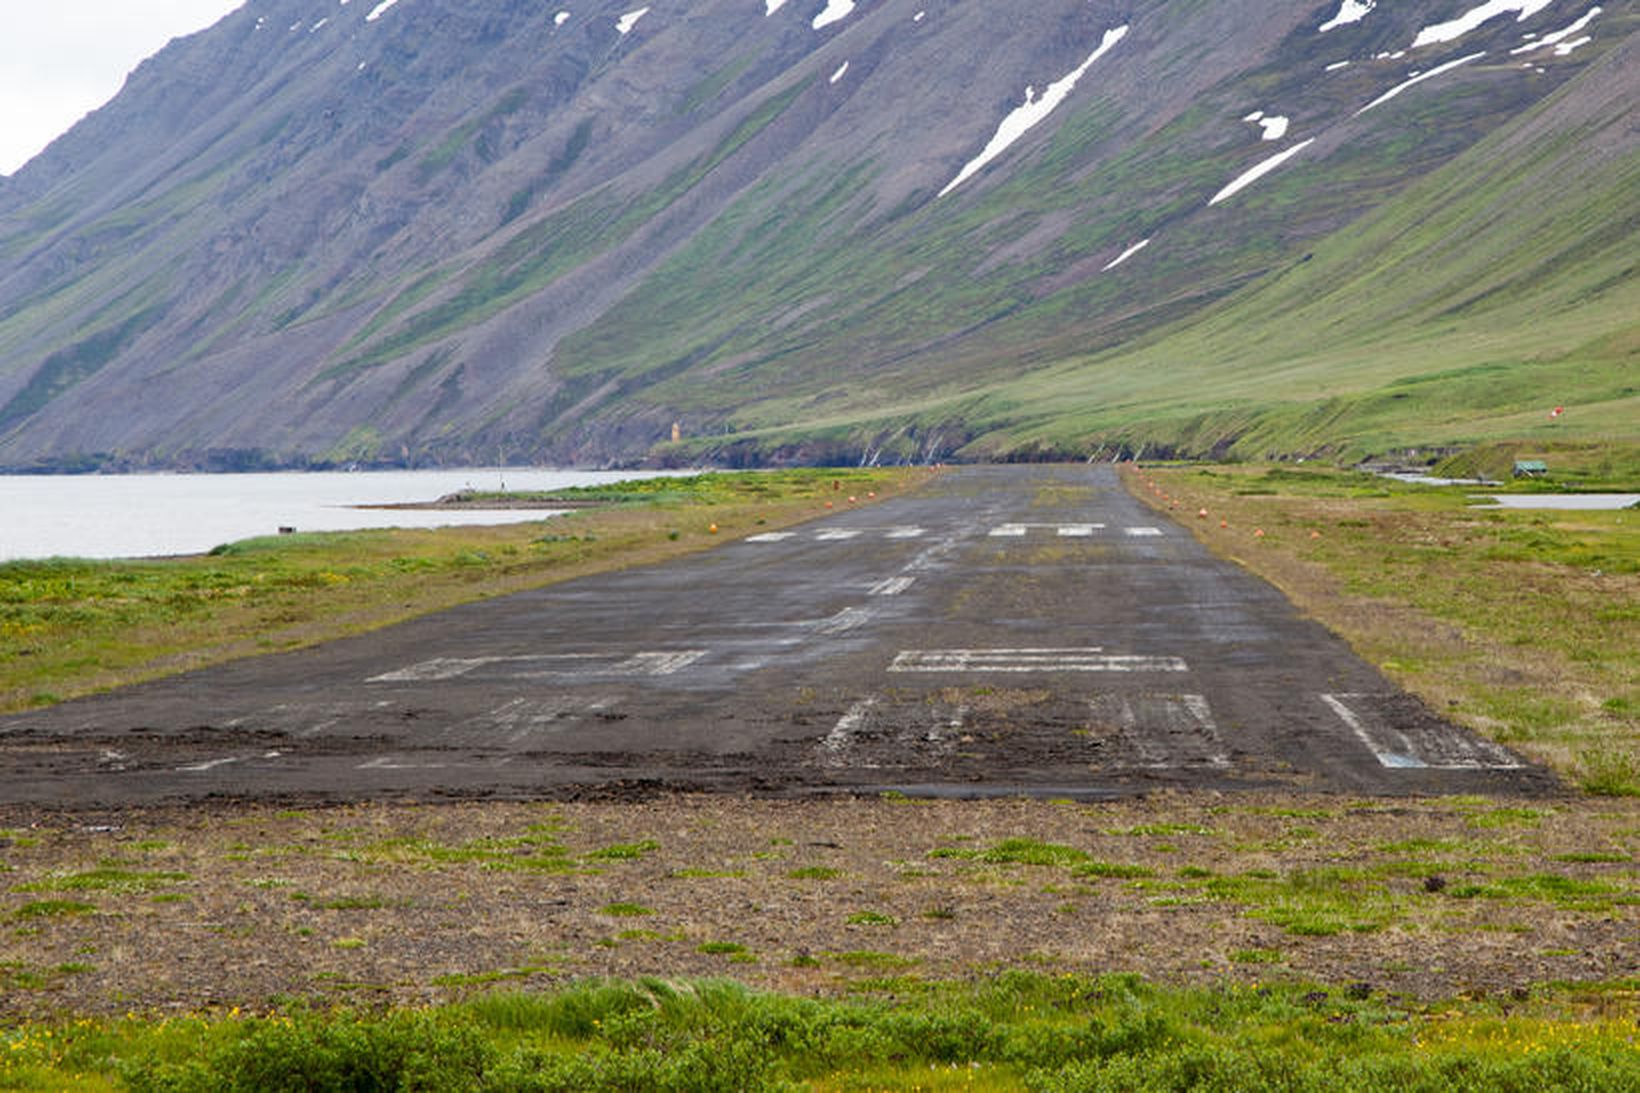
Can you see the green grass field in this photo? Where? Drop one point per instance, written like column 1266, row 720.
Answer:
column 1014, row 1032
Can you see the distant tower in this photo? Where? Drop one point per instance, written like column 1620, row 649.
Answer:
column 677, row 431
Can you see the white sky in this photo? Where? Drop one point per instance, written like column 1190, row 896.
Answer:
column 61, row 59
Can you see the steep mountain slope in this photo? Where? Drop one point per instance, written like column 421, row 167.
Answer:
column 447, row 230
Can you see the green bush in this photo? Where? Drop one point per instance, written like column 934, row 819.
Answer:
column 341, row 1053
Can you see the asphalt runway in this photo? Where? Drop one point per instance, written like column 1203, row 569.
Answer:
column 1008, row 629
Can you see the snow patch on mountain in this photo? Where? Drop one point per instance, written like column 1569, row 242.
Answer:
column 836, row 11
column 1419, row 78
column 376, row 12
column 1454, row 29
column 772, row 6
column 1258, row 171
column 1022, row 118
column 1274, row 125
column 1125, row 255
column 626, row 22
column 1351, row 11
column 1555, row 38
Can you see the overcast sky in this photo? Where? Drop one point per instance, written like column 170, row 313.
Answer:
column 60, row 59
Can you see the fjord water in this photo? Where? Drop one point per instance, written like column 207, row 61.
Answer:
column 145, row 515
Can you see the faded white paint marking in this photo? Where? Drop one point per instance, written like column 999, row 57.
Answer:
column 1014, row 531
column 521, row 718
column 658, row 664
column 1141, row 533
column 547, row 665
column 835, row 534
column 1118, row 709
column 893, row 586
column 437, row 668
column 770, row 537
column 209, row 764
column 1090, row 659
column 1167, row 731
column 845, row 620
column 1385, row 757
column 1201, row 718
column 837, row 743
column 905, row 533
column 387, row 762
column 1433, row 746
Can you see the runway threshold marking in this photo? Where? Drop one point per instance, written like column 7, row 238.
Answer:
column 838, row 535
column 521, row 718
column 1142, row 532
column 835, row 747
column 1087, row 659
column 1421, row 747
column 892, row 586
column 1150, row 721
column 1074, row 531
column 649, row 663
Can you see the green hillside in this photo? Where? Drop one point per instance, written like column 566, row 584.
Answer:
column 467, row 228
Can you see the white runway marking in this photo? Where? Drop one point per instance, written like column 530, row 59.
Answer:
column 845, row 620
column 547, row 665
column 1090, row 659
column 1428, row 745
column 437, row 668
column 835, row 747
column 209, row 764
column 657, row 664
column 1142, row 532
column 838, row 535
column 893, row 586
column 387, row 762
column 521, row 718
column 1167, row 731
column 304, row 720
column 1017, row 531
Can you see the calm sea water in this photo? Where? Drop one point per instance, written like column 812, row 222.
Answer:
column 142, row 515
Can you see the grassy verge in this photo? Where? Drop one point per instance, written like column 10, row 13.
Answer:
column 1019, row 1031
column 71, row 626
column 1523, row 625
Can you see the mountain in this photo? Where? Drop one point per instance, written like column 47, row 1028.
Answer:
column 455, row 231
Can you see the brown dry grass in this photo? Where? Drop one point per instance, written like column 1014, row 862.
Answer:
column 403, row 903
